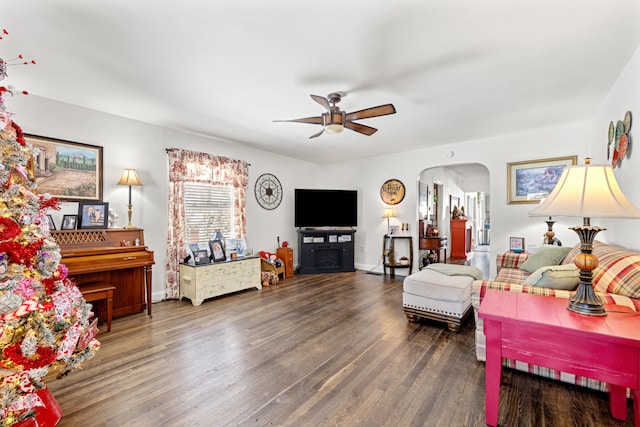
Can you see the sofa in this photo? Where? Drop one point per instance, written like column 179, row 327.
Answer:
column 616, row 279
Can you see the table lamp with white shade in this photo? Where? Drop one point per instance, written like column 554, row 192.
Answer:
column 130, row 177
column 587, row 191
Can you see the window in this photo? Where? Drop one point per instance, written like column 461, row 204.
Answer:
column 207, row 208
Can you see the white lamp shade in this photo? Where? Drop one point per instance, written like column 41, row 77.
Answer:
column 587, row 191
column 130, row 177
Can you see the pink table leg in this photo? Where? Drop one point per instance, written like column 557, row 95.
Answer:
column 618, row 402
column 492, row 331
column 636, row 411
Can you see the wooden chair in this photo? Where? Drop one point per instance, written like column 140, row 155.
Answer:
column 269, row 266
column 98, row 292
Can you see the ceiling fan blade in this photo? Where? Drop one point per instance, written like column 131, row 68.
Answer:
column 322, row 101
column 380, row 110
column 311, row 120
column 315, row 135
column 364, row 129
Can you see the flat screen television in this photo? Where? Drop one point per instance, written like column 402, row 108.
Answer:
column 326, row 208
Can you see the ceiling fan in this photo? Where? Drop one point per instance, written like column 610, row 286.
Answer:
column 335, row 120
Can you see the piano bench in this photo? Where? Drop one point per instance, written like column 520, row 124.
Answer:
column 98, row 292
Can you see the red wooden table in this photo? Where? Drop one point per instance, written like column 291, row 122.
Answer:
column 541, row 331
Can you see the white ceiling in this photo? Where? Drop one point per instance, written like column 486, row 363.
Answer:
column 455, row 70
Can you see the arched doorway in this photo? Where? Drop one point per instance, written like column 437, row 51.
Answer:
column 442, row 190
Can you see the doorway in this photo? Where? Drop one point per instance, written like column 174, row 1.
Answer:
column 454, row 192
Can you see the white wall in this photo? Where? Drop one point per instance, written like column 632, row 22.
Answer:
column 623, row 97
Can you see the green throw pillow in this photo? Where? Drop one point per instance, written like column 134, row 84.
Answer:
column 545, row 255
column 565, row 277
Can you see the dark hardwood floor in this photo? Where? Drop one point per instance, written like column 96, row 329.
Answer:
column 315, row 350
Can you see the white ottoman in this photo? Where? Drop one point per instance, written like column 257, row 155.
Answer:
column 443, row 296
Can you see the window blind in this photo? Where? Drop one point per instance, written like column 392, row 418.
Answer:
column 207, row 208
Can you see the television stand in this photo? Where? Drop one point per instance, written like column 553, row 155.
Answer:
column 325, row 251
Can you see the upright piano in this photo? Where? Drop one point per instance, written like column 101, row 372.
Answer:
column 118, row 257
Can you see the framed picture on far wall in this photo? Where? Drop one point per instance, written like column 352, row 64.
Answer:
column 217, row 250
column 530, row 181
column 70, row 171
column 93, row 215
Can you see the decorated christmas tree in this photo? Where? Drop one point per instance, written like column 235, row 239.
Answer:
column 44, row 321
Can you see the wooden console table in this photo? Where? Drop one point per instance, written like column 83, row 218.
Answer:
column 435, row 244
column 542, row 331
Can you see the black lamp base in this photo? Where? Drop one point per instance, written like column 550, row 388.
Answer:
column 585, row 301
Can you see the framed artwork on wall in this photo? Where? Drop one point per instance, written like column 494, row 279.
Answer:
column 454, row 202
column 530, row 181
column 423, row 200
column 70, row 171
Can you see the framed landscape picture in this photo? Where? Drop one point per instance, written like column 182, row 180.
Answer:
column 530, row 181
column 67, row 170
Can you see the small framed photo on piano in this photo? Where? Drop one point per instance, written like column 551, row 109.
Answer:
column 93, row 215
column 69, row 222
column 52, row 225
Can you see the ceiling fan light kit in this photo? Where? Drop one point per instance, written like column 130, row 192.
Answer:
column 335, row 120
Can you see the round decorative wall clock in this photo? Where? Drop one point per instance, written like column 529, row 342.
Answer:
column 392, row 191
column 268, row 191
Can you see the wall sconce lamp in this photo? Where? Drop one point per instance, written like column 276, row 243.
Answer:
column 130, row 177
column 587, row 191
column 388, row 213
